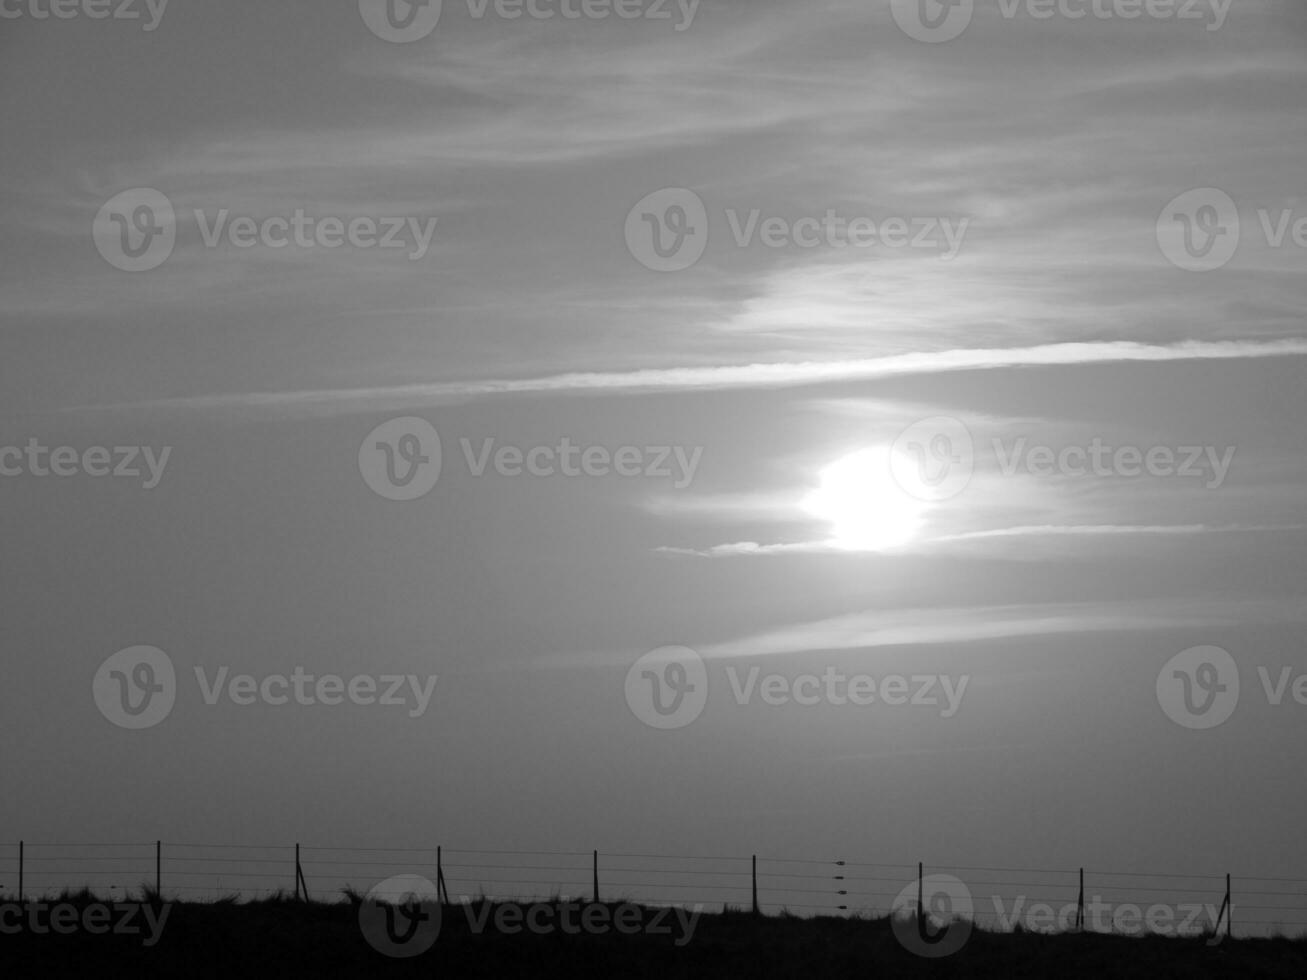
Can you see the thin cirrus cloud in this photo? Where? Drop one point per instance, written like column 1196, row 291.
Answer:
column 778, row 375
column 905, row 627
column 758, row 105
column 1108, row 529
column 749, row 549
column 883, row 628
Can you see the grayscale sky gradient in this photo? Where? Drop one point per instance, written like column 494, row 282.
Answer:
column 529, row 320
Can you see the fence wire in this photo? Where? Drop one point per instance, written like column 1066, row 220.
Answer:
column 993, row 897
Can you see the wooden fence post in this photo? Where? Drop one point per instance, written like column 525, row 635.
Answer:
column 921, row 891
column 158, row 868
column 1080, row 904
column 442, row 890
column 1229, row 908
column 20, row 871
column 1226, row 912
column 596, row 877
column 755, row 884
column 301, row 886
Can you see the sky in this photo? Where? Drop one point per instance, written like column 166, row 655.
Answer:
column 843, row 314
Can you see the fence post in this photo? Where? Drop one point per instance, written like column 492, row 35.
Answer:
column 921, row 893
column 20, row 871
column 596, row 877
column 1080, row 904
column 158, row 868
column 755, row 884
column 442, row 890
column 1227, row 910
column 1229, row 907
column 301, row 886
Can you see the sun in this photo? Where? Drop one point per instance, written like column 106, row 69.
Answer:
column 866, row 508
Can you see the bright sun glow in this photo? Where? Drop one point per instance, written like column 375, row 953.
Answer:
column 866, row 508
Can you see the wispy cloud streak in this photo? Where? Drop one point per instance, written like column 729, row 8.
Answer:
column 748, row 549
column 970, row 624
column 778, row 375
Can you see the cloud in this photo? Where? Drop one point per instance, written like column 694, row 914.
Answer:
column 753, row 548
column 905, row 627
column 777, row 375
column 969, row 624
column 1109, row 529
column 746, row 549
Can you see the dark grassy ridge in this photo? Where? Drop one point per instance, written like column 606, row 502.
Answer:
column 287, row 939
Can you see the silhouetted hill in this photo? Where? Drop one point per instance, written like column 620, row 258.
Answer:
column 288, row 939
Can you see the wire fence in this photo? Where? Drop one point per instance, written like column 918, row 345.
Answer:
column 1041, row 899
